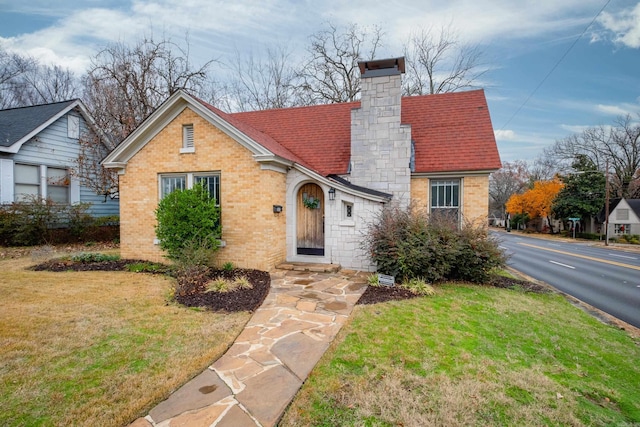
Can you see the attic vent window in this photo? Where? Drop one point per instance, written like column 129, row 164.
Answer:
column 73, row 127
column 187, row 139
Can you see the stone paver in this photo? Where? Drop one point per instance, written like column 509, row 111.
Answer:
column 266, row 396
column 204, row 390
column 255, row 380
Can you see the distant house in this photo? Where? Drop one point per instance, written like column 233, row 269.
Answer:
column 38, row 149
column 301, row 184
column 624, row 217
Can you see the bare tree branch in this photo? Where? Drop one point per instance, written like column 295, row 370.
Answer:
column 439, row 62
column 618, row 144
column 264, row 83
column 331, row 73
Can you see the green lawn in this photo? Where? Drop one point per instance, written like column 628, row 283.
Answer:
column 474, row 356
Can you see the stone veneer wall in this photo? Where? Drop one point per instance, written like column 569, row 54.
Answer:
column 343, row 236
column 254, row 235
column 475, row 197
column 380, row 145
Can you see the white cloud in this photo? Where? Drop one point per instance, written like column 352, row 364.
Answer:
column 574, row 128
column 217, row 26
column 618, row 110
column 505, row 135
column 625, row 26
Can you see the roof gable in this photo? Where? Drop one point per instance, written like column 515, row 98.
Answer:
column 265, row 149
column 18, row 125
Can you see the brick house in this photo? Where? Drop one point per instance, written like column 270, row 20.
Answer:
column 300, row 184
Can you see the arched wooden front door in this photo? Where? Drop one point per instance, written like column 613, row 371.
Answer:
column 310, row 220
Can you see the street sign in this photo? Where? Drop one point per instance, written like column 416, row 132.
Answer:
column 574, row 219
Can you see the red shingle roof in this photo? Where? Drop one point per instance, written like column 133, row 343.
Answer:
column 452, row 132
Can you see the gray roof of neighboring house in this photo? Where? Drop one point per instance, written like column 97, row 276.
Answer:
column 16, row 123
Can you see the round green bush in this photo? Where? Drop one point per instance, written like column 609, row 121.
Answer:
column 188, row 225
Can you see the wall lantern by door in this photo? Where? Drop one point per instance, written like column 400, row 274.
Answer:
column 277, row 208
column 332, row 193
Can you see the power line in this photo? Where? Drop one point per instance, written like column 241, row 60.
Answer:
column 556, row 65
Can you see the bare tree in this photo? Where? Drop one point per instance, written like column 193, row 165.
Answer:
column 12, row 68
column 546, row 167
column 264, row 83
column 45, row 84
column 437, row 62
column 124, row 85
column 331, row 73
column 24, row 82
column 512, row 178
column 619, row 145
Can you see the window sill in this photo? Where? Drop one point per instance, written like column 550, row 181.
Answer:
column 347, row 223
column 187, row 150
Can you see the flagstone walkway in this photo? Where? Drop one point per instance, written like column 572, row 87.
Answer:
column 256, row 379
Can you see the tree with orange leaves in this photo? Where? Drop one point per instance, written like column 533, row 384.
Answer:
column 537, row 201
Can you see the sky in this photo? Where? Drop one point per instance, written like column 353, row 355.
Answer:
column 554, row 67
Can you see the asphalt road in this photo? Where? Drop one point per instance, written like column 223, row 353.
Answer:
column 605, row 278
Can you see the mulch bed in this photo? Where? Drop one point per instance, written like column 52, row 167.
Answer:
column 58, row 265
column 237, row 300
column 376, row 294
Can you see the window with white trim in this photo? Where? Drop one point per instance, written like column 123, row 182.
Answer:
column 182, row 181
column 58, row 185
column 28, row 183
column 445, row 198
column 622, row 228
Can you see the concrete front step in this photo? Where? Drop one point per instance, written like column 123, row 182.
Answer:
column 309, row 266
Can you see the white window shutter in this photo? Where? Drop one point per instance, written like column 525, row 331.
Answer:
column 6, row 181
column 43, row 181
column 74, row 188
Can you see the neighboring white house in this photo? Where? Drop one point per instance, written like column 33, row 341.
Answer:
column 39, row 146
column 624, row 217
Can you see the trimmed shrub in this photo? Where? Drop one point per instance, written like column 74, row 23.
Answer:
column 586, row 236
column 188, row 226
column 409, row 244
column 36, row 221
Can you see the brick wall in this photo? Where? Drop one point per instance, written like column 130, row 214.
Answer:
column 475, row 197
column 254, row 235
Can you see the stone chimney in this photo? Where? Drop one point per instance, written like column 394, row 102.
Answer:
column 380, row 145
